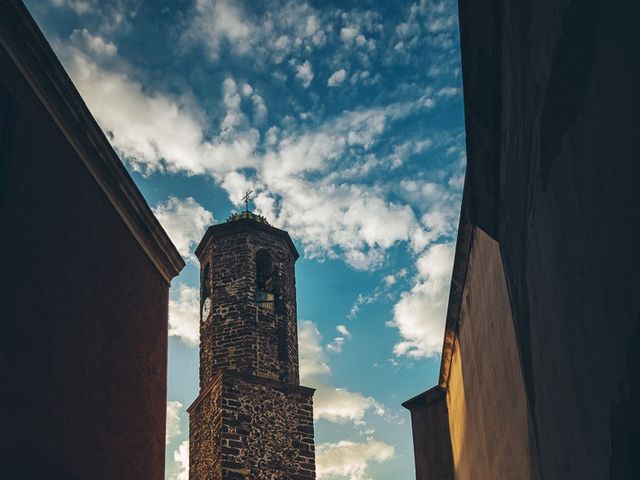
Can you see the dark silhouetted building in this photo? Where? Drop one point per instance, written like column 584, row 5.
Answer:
column 252, row 418
column 85, row 272
column 541, row 359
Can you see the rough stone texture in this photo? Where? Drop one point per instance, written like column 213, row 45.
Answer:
column 235, row 333
column 251, row 420
column 249, row 427
column 205, row 423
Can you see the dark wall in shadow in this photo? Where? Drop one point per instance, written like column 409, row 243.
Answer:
column 85, row 271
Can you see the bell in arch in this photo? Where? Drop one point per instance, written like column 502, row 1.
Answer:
column 264, row 295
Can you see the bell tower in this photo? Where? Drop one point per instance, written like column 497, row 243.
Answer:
column 252, row 419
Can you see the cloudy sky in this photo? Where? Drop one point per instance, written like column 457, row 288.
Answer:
column 346, row 119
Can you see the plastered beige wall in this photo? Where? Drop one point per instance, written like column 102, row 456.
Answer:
column 486, row 399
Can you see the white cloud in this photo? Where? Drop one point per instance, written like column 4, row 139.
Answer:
column 337, row 77
column 247, row 89
column 94, row 43
column 313, row 28
column 339, row 405
column 304, row 72
column 329, row 403
column 331, row 214
column 326, row 213
column 173, row 420
column 104, row 17
column 365, row 259
column 429, row 103
column 427, row 23
column 403, row 151
column 343, row 330
column 352, row 217
column 223, row 28
column 420, row 313
column 184, row 314
column 336, row 345
column 221, row 22
column 347, row 34
column 231, row 98
column 368, row 299
column 442, row 23
column 448, row 92
column 153, row 131
column 260, row 110
column 144, row 128
column 456, row 182
column 350, row 460
column 313, row 361
column 391, row 279
column 412, row 25
column 440, row 218
column 78, row 6
column 181, row 461
column 185, row 221
column 282, row 42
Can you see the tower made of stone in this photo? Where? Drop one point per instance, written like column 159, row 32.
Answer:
column 252, row 419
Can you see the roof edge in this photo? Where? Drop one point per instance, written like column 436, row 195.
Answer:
column 458, row 281
column 245, row 223
column 431, row 395
column 25, row 43
column 222, row 374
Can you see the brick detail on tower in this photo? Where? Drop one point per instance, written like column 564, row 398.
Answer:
column 252, row 419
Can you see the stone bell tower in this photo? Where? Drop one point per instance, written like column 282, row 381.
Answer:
column 252, row 419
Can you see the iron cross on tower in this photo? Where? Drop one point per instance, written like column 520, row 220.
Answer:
column 246, row 198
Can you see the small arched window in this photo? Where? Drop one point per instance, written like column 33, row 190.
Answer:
column 264, row 280
column 204, row 282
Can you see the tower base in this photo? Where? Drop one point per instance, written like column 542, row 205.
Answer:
column 246, row 427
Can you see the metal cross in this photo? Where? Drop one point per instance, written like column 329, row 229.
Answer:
column 246, row 198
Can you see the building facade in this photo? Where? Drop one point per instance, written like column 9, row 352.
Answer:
column 252, row 419
column 84, row 288
column 540, row 373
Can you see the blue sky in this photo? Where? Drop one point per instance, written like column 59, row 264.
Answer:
column 346, row 119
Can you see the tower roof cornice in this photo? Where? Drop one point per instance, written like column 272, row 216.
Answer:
column 241, row 222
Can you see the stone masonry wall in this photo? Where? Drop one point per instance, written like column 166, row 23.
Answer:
column 235, row 333
column 245, row 427
column 205, row 421
column 252, row 420
column 267, row 430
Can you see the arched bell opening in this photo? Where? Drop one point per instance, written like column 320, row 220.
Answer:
column 265, row 280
